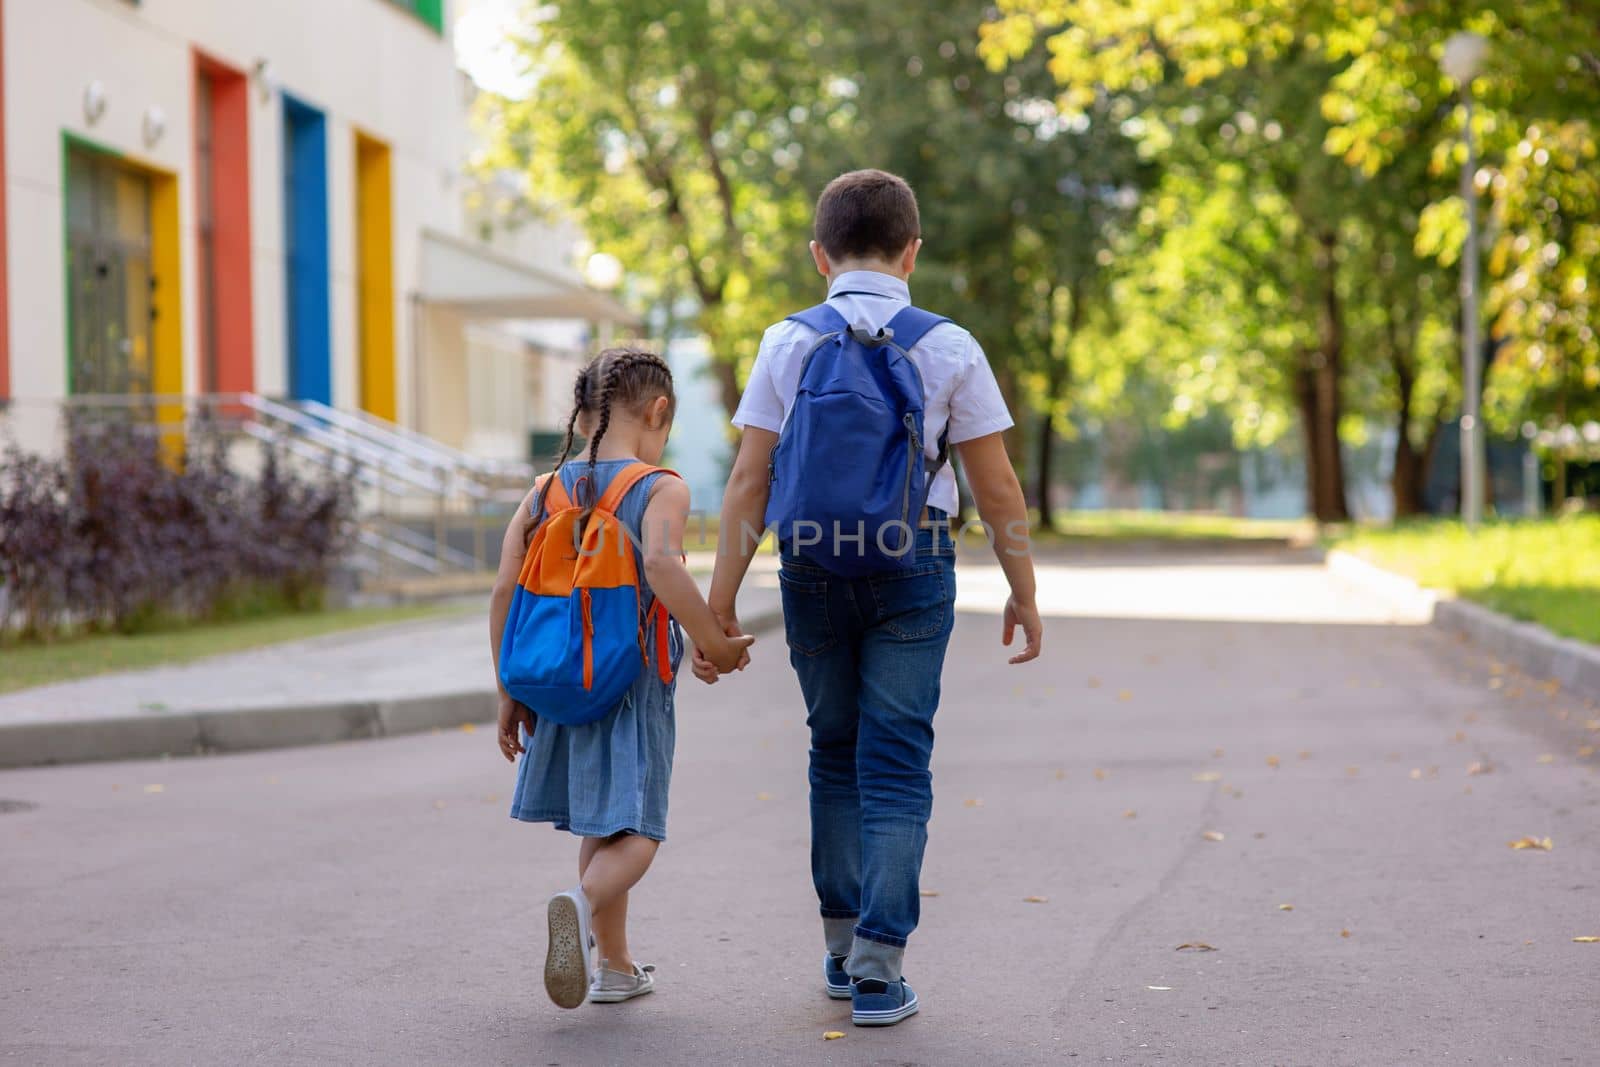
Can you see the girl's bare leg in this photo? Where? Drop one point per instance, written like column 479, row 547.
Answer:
column 613, row 867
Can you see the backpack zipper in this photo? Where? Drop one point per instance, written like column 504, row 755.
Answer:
column 588, row 638
column 915, row 445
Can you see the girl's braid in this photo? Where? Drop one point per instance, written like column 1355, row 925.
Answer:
column 582, row 398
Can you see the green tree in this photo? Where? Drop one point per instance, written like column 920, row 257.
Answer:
column 673, row 131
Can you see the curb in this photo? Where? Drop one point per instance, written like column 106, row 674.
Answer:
column 1529, row 646
column 198, row 733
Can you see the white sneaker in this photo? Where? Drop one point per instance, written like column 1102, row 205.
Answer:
column 612, row 987
column 566, row 963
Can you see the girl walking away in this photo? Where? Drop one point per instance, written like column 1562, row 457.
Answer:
column 584, row 624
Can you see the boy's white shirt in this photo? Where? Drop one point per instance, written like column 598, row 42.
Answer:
column 960, row 391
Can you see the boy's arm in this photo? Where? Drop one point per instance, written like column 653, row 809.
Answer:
column 744, row 512
column 664, row 518
column 998, row 495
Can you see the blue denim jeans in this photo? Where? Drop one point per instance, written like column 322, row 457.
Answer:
column 869, row 652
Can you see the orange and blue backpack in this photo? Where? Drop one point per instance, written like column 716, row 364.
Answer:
column 575, row 636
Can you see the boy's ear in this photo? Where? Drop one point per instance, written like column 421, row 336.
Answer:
column 819, row 256
column 908, row 258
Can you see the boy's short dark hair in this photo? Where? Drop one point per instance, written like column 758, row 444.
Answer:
column 867, row 213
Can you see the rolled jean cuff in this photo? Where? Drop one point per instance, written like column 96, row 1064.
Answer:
column 882, row 939
column 875, row 960
column 839, row 933
column 839, row 913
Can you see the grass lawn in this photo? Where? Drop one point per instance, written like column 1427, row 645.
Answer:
column 1174, row 526
column 1546, row 572
column 27, row 664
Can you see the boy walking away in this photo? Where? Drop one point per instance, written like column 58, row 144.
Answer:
column 848, row 416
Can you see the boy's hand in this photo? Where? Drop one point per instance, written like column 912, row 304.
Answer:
column 512, row 715
column 1025, row 615
column 732, row 654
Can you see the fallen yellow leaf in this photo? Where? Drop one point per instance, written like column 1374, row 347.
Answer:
column 1551, row 687
column 1496, row 683
column 1124, row 694
column 1208, row 776
column 1036, row 900
column 1285, row 907
column 1099, row 774
column 973, row 802
column 1543, row 844
column 763, row 796
column 1480, row 767
column 1196, row 946
column 928, row 893
column 1547, row 758
column 1344, row 933
column 1061, row 775
column 469, row 728
column 1592, row 724
column 155, row 789
column 1272, row 761
column 1587, row 939
column 1212, row 835
column 1130, row 814
column 1460, row 735
column 1352, row 771
column 1585, row 751
column 833, row 1035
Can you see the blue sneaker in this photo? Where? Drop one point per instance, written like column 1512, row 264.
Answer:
column 833, row 973
column 876, row 1003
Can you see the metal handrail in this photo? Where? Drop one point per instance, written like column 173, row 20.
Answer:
column 407, row 439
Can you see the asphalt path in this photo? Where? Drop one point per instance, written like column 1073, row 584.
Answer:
column 1231, row 752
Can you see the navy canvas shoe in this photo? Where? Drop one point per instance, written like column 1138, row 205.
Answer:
column 833, row 973
column 875, row 1003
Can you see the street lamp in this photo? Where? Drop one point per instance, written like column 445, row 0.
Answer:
column 1464, row 57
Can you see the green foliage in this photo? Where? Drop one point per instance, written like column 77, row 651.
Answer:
column 673, row 132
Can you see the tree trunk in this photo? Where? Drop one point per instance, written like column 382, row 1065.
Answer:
column 1046, row 449
column 1409, row 464
column 1321, row 405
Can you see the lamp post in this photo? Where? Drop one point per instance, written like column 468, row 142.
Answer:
column 1464, row 56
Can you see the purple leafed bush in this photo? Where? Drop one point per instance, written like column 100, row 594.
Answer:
column 126, row 531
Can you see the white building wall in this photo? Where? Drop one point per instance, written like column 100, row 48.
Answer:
column 369, row 64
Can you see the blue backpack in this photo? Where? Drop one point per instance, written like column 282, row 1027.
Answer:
column 848, row 476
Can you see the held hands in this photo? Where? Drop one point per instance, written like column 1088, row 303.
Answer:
column 512, row 715
column 1026, row 616
column 732, row 654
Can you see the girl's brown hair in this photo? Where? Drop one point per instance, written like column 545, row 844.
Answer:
column 629, row 377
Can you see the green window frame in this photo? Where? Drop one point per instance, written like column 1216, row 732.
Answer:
column 429, row 11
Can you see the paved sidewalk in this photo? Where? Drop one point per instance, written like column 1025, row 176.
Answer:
column 371, row 903
column 372, row 682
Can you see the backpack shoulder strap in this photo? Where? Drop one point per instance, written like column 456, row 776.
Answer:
column 824, row 318
column 557, row 499
column 626, row 479
column 911, row 324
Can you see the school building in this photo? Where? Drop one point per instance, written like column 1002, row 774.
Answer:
column 234, row 196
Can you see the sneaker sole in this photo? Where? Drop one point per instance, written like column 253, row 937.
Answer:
column 566, row 976
column 838, row 992
column 886, row 1018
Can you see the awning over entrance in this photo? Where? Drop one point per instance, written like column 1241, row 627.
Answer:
column 481, row 283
